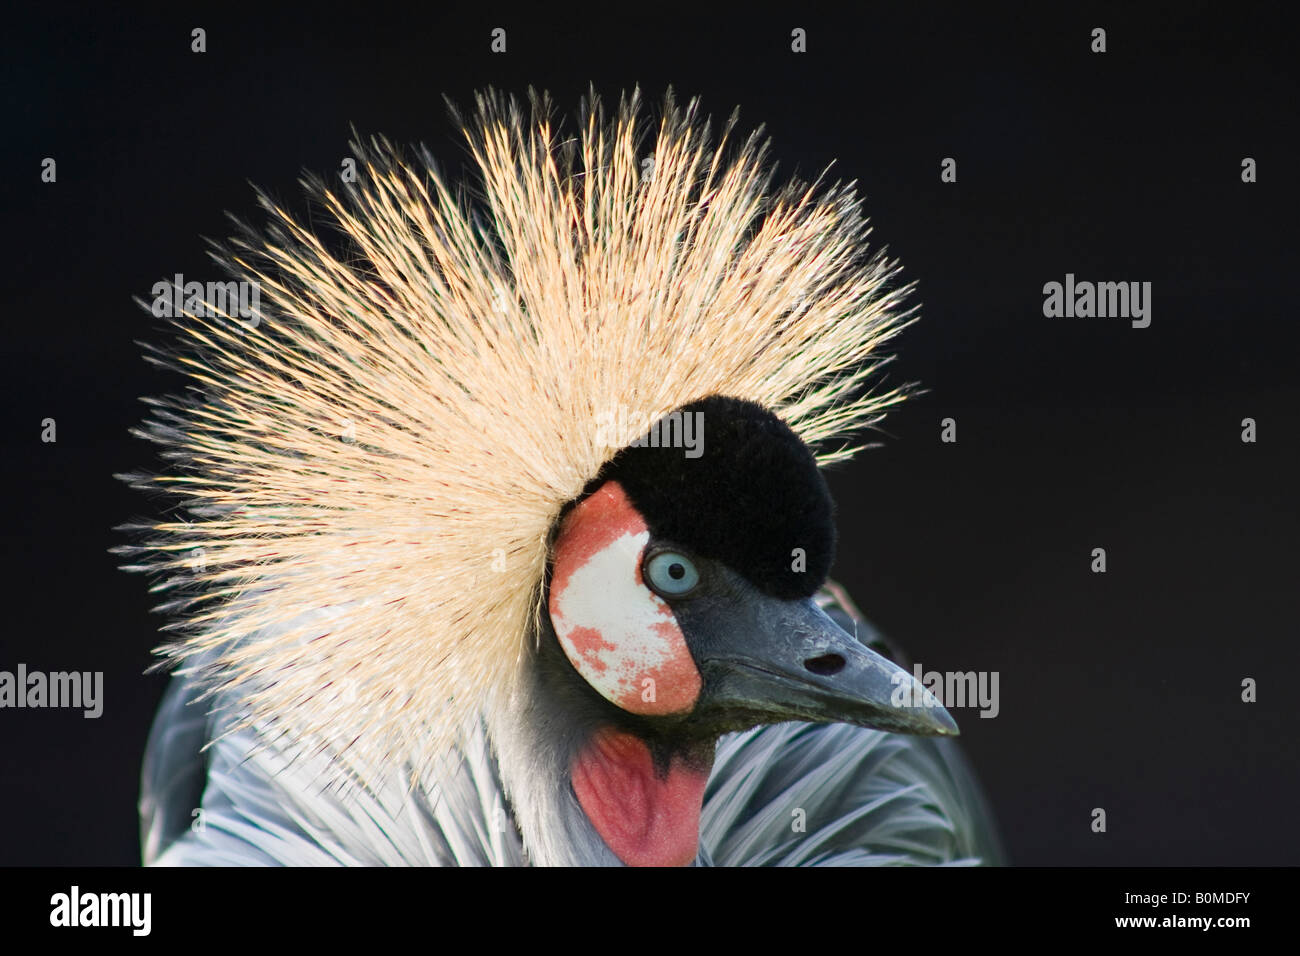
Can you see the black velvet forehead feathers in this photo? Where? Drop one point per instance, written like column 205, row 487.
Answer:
column 728, row 480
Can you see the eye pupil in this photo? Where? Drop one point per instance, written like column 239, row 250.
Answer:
column 676, row 572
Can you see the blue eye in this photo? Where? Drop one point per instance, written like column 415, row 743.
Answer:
column 671, row 573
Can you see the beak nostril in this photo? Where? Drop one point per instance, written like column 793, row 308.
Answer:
column 825, row 665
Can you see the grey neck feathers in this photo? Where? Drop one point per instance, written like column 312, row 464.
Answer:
column 535, row 739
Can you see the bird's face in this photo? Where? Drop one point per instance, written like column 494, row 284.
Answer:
column 681, row 593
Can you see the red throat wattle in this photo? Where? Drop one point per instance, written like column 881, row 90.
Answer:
column 645, row 819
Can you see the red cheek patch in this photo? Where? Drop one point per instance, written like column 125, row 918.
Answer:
column 619, row 635
column 589, row 645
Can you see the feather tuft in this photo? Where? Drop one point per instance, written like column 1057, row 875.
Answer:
column 366, row 478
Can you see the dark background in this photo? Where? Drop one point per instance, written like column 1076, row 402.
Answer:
column 1119, row 690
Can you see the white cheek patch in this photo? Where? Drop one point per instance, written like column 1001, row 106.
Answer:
column 619, row 635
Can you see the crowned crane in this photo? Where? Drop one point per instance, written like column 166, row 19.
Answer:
column 505, row 539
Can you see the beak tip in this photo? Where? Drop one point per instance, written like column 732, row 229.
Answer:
column 936, row 722
column 947, row 726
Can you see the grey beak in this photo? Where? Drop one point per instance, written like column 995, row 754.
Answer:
column 787, row 660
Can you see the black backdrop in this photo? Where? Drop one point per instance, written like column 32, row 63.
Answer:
column 1119, row 691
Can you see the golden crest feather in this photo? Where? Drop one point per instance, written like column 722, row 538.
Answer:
column 374, row 468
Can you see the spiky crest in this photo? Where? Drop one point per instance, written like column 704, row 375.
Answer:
column 375, row 466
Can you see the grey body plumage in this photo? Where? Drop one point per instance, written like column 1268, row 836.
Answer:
column 790, row 794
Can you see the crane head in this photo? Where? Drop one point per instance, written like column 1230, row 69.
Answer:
column 681, row 592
